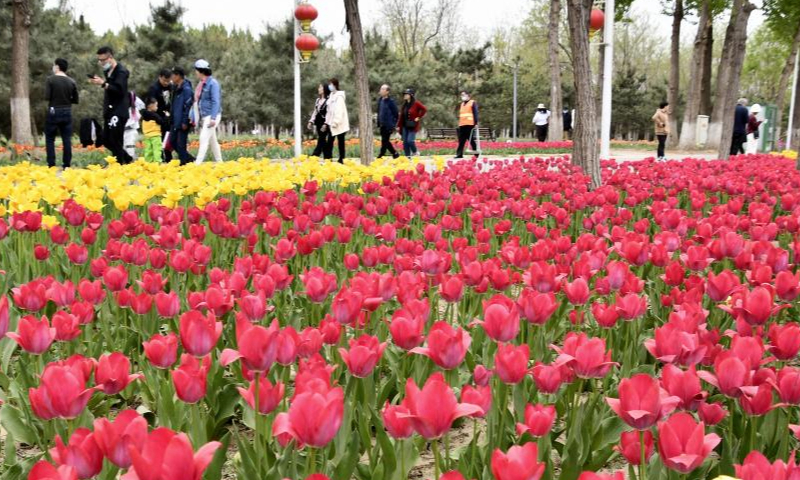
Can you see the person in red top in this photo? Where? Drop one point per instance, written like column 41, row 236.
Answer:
column 408, row 124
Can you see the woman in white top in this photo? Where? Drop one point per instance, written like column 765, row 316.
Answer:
column 540, row 121
column 336, row 119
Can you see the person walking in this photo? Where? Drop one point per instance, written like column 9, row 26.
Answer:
column 387, row 119
column 161, row 90
column 467, row 123
column 336, row 119
column 317, row 120
column 208, row 111
column 131, row 135
column 567, row 117
column 116, row 103
column 661, row 124
column 61, row 93
column 152, row 125
column 409, row 121
column 182, row 101
column 740, row 120
column 753, row 125
column 541, row 122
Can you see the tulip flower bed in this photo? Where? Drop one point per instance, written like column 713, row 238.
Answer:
column 392, row 321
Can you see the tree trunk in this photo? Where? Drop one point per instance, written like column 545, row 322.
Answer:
column 786, row 74
column 688, row 138
column 362, row 80
column 708, row 73
column 556, row 129
column 584, row 149
column 20, row 74
column 796, row 126
column 601, row 75
column 675, row 71
column 731, row 87
column 724, row 100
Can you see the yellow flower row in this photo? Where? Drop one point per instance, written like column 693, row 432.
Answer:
column 27, row 187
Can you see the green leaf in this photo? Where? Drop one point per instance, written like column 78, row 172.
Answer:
column 347, row 465
column 214, row 470
column 13, row 421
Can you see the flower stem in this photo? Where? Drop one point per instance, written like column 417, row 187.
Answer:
column 436, row 458
column 642, row 465
column 311, row 466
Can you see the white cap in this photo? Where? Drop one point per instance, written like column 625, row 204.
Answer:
column 755, row 108
column 202, row 64
column 541, row 105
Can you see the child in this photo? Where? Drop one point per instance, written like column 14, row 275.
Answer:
column 151, row 128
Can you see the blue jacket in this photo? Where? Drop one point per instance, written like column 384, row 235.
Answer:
column 740, row 120
column 387, row 113
column 210, row 104
column 182, row 101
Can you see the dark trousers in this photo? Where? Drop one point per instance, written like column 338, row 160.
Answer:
column 541, row 133
column 58, row 122
column 386, row 142
column 323, row 138
column 662, row 141
column 329, row 150
column 737, row 145
column 464, row 134
column 113, row 138
column 179, row 138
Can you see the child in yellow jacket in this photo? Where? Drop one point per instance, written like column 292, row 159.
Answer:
column 151, row 129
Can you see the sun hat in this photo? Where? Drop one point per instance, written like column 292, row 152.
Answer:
column 541, row 105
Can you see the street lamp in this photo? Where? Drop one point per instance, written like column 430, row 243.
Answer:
column 305, row 44
column 515, row 69
column 608, row 40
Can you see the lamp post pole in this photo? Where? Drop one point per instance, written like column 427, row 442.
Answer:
column 516, row 70
column 794, row 101
column 298, row 132
column 608, row 68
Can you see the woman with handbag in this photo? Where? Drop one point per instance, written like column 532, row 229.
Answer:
column 337, row 120
column 317, row 120
column 409, row 122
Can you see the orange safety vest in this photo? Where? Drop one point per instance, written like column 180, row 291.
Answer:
column 465, row 116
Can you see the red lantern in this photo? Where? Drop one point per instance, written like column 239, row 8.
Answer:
column 596, row 20
column 306, row 44
column 305, row 13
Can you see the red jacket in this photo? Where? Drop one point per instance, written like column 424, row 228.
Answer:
column 416, row 110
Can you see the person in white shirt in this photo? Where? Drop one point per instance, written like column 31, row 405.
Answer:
column 540, row 121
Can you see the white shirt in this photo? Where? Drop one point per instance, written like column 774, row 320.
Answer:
column 541, row 118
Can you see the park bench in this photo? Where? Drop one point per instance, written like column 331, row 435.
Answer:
column 486, row 133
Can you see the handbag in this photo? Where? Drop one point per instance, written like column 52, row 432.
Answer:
column 410, row 124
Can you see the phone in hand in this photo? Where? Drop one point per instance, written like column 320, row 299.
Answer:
column 90, row 75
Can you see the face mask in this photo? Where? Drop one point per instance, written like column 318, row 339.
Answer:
column 331, row 88
column 464, row 98
column 107, row 66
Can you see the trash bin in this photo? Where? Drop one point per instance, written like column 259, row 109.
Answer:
column 701, row 135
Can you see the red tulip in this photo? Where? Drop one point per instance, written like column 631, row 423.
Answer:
column 730, row 374
column 269, row 396
column 482, row 375
column 585, row 356
column 365, row 352
column 755, row 307
column 683, row 384
column 711, row 413
column 500, row 319
column 310, row 342
column 605, row 315
column 116, row 439
column 395, row 419
column 577, row 291
column 520, row 463
column 631, row 306
column 315, row 416
column 451, row 289
column 113, row 373
column 671, row 344
column 511, row 363
column 346, row 306
column 452, row 475
column 757, row 467
column 351, row 261
column 618, row 475
column 161, row 350
column 115, row 278
column 253, row 306
column 757, row 401
column 784, row 340
column 548, row 378
column 62, row 294
column 66, row 325
column 542, row 277
column 641, row 401
column 787, row 285
column 168, row 305
column 408, row 330
column 46, row 471
column 630, row 446
column 447, row 346
column 682, row 443
column 77, row 254
column 318, row 284
column 539, row 420
column 537, row 307
column 199, row 333
column 720, row 287
column 190, row 378
column 167, row 454
column 258, row 346
column 30, row 296
column 92, row 292
column 62, row 391
column 433, row 409
column 33, row 335
column 4, row 317
column 82, row 453
column 480, row 396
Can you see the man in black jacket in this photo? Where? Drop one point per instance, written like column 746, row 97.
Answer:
column 116, row 103
column 740, row 120
column 61, row 93
column 161, row 90
column 387, row 121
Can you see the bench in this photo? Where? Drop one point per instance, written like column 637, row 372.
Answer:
column 486, row 133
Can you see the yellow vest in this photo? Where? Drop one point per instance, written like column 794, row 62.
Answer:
column 465, row 116
column 151, row 128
